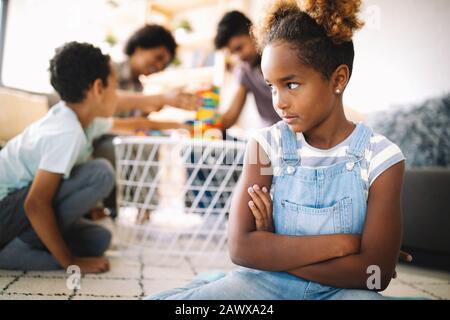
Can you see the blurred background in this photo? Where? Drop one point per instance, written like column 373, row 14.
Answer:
column 401, row 53
column 400, row 82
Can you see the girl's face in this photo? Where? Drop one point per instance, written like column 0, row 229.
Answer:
column 300, row 94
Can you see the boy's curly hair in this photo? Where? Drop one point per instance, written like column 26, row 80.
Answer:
column 74, row 68
column 320, row 30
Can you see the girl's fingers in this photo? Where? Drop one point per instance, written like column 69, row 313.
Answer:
column 257, row 201
column 256, row 213
column 404, row 256
column 265, row 197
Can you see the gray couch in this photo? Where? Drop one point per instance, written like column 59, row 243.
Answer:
column 422, row 132
column 426, row 216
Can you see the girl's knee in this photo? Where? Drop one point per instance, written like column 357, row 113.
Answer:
column 355, row 294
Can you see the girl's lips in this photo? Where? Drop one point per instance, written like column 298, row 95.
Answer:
column 290, row 118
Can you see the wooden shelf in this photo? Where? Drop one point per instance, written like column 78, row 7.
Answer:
column 171, row 7
column 180, row 77
column 195, row 40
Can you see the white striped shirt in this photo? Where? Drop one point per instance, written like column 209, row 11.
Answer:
column 379, row 155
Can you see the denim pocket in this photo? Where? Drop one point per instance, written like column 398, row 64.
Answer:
column 304, row 220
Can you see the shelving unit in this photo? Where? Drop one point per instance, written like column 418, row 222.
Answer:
column 192, row 40
column 180, row 77
column 170, row 8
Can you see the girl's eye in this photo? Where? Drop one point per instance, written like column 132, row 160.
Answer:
column 293, row 85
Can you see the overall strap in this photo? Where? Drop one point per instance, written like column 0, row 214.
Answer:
column 289, row 145
column 360, row 141
column 357, row 147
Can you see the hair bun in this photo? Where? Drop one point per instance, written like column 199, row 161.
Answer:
column 337, row 17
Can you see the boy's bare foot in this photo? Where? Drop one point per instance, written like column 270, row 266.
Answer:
column 91, row 264
column 99, row 213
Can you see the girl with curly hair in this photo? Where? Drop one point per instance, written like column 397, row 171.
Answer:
column 316, row 214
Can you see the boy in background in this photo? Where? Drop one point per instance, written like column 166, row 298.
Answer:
column 233, row 33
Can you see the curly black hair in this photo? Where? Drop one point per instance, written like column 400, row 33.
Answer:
column 74, row 68
column 233, row 23
column 321, row 31
column 151, row 36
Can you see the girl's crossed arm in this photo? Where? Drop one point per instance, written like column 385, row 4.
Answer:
column 380, row 244
column 266, row 250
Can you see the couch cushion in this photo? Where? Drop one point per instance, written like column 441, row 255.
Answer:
column 422, row 131
column 18, row 110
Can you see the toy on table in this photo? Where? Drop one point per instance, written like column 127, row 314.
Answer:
column 208, row 117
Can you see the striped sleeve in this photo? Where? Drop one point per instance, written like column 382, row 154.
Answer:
column 384, row 154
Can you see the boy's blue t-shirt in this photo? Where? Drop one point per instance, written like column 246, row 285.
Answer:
column 55, row 143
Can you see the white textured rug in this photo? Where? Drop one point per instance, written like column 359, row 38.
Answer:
column 130, row 279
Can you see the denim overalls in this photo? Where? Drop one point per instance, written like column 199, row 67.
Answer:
column 306, row 201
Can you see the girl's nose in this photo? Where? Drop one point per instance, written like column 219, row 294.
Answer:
column 278, row 101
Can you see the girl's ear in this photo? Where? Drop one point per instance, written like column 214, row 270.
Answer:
column 340, row 78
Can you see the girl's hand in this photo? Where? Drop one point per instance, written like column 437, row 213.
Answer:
column 261, row 207
column 405, row 257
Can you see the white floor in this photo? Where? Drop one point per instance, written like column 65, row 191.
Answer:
column 135, row 279
column 134, row 276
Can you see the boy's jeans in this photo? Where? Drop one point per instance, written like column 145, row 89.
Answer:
column 21, row 248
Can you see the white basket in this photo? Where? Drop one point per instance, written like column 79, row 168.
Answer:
column 174, row 196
